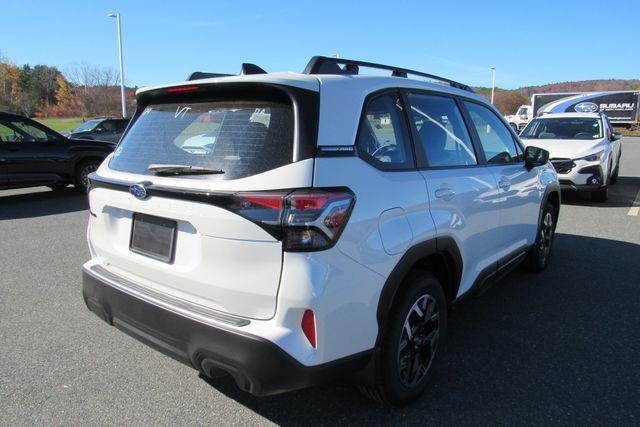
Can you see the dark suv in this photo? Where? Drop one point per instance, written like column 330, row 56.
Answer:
column 31, row 155
column 105, row 129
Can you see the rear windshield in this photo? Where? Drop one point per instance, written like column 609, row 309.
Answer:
column 242, row 138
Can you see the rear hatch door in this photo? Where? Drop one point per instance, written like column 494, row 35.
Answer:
column 188, row 204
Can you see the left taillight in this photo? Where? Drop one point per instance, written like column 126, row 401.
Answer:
column 305, row 220
column 314, row 219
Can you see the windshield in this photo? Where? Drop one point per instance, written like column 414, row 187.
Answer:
column 87, row 126
column 241, row 138
column 564, row 128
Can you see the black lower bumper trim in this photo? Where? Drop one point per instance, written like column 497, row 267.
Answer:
column 257, row 365
column 569, row 186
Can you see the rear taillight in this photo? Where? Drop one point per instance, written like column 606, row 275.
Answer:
column 313, row 220
column 305, row 220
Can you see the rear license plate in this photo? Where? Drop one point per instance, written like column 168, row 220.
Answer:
column 153, row 236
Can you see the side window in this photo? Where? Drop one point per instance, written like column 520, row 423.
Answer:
column 8, row 135
column 496, row 140
column 108, row 126
column 441, row 131
column 31, row 133
column 383, row 138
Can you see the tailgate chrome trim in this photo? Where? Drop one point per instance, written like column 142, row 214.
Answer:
column 175, row 305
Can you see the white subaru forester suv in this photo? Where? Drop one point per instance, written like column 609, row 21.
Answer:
column 324, row 230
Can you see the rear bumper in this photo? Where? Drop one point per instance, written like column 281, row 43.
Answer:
column 257, row 365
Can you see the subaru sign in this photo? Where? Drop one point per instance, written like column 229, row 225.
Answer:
column 619, row 106
column 586, row 107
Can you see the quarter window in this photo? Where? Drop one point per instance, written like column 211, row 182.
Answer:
column 441, row 131
column 383, row 138
column 496, row 140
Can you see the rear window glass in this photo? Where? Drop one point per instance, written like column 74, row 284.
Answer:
column 241, row 138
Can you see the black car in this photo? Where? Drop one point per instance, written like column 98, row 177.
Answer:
column 32, row 155
column 105, row 129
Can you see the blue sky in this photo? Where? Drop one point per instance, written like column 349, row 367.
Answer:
column 541, row 42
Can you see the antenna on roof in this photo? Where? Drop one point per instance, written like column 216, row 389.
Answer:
column 197, row 75
column 251, row 69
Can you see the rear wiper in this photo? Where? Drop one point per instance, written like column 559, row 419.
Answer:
column 182, row 170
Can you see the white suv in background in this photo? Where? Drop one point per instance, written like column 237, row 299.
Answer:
column 324, row 230
column 520, row 119
column 584, row 148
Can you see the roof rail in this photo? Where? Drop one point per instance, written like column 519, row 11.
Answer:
column 326, row 65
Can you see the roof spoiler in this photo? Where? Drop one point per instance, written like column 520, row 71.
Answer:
column 245, row 69
column 326, row 65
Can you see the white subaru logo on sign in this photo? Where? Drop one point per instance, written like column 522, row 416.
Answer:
column 586, row 107
column 139, row 191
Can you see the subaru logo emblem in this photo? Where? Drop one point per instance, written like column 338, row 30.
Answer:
column 138, row 191
column 586, row 107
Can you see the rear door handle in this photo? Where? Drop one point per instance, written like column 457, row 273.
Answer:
column 445, row 193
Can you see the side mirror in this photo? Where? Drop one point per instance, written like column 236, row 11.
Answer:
column 534, row 156
column 616, row 135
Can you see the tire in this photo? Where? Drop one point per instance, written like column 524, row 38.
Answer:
column 539, row 255
column 58, row 186
column 600, row 195
column 399, row 380
column 82, row 171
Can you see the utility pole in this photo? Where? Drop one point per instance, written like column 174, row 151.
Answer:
column 122, row 91
column 493, row 82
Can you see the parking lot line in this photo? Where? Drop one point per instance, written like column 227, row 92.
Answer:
column 635, row 207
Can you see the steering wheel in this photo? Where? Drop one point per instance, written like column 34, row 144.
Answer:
column 385, row 150
column 503, row 157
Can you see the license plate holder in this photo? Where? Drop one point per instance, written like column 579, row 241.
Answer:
column 153, row 237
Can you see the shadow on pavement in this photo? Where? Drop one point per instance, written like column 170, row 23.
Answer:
column 41, row 203
column 558, row 346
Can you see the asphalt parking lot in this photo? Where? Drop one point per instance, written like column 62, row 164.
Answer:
column 559, row 347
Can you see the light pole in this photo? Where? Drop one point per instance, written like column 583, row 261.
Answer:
column 122, row 93
column 493, row 82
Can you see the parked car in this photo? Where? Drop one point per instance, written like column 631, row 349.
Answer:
column 32, row 155
column 585, row 150
column 520, row 119
column 105, row 129
column 327, row 231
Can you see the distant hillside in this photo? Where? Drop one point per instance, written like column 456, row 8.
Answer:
column 508, row 100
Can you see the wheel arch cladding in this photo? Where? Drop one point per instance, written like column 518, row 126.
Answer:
column 554, row 199
column 439, row 256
